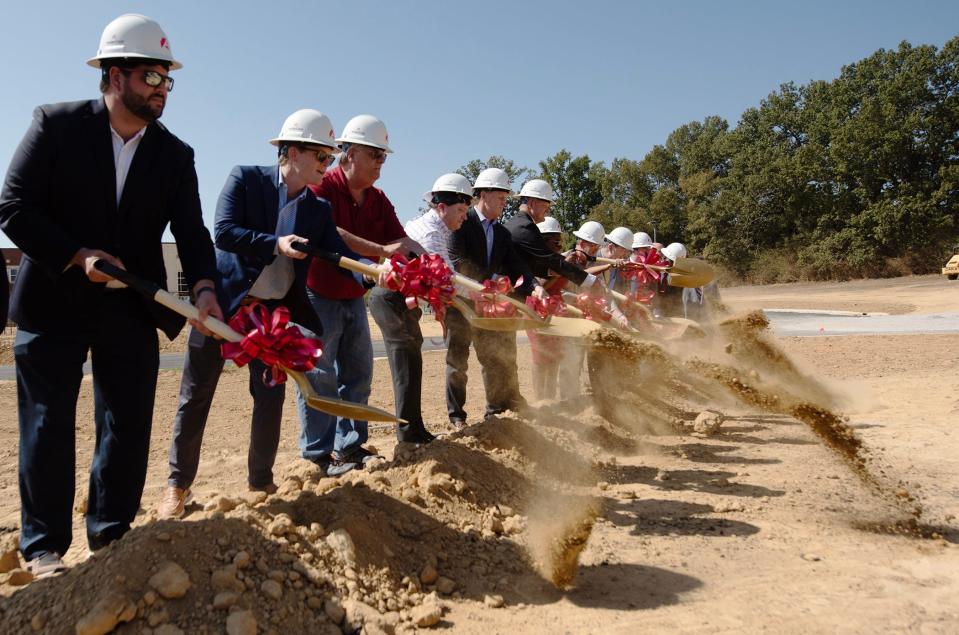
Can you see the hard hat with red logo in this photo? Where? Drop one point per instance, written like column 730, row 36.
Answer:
column 133, row 36
column 307, row 126
column 366, row 130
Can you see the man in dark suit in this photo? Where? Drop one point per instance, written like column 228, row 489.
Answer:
column 536, row 197
column 480, row 249
column 93, row 180
column 262, row 210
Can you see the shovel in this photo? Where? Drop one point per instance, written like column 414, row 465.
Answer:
column 336, row 407
column 688, row 273
column 489, row 324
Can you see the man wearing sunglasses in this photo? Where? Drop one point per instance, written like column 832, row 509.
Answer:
column 368, row 224
column 95, row 180
column 261, row 212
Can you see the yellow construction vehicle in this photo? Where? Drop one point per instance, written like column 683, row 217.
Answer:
column 951, row 270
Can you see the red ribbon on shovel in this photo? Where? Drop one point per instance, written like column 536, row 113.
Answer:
column 268, row 339
column 426, row 277
column 487, row 305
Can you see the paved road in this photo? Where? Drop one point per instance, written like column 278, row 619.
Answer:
column 175, row 360
column 783, row 322
column 808, row 323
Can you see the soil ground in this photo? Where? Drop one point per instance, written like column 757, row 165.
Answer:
column 758, row 528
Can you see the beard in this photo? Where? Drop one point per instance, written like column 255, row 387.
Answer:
column 142, row 107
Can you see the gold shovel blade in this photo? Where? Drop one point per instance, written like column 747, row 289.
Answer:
column 338, row 407
column 349, row 409
column 569, row 327
column 690, row 273
column 506, row 324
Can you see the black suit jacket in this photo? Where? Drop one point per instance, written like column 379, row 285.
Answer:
column 468, row 254
column 245, row 229
column 60, row 195
column 530, row 244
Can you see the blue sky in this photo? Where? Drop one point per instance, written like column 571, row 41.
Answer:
column 454, row 81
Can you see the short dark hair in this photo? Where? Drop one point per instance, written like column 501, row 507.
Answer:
column 125, row 63
column 450, row 198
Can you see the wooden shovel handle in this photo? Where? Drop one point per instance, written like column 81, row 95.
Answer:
column 167, row 299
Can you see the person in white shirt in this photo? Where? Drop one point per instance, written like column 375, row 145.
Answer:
column 449, row 201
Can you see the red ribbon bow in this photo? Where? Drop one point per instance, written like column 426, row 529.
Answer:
column 594, row 306
column 552, row 305
column 638, row 267
column 487, row 305
column 426, row 277
column 268, row 339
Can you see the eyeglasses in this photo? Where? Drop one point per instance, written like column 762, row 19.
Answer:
column 322, row 157
column 376, row 154
column 153, row 79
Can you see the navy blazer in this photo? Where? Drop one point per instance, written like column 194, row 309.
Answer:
column 468, row 254
column 60, row 195
column 244, row 230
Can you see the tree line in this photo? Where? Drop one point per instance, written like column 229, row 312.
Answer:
column 854, row 177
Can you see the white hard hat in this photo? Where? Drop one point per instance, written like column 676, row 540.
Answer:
column 591, row 232
column 492, row 178
column 674, row 251
column 134, row 36
column 621, row 237
column 366, row 130
column 549, row 226
column 538, row 188
column 307, row 126
column 451, row 182
column 642, row 239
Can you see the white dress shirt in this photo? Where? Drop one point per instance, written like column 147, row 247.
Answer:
column 123, row 152
column 431, row 232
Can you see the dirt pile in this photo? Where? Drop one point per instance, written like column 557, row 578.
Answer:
column 383, row 549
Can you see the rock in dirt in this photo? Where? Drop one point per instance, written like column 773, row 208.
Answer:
column 111, row 610
column 17, row 577
column 168, row 629
column 241, row 623
column 334, row 611
column 225, row 580
column 811, row 557
column 445, row 585
column 9, row 554
column 281, row 525
column 429, row 575
column 225, row 599
column 493, row 601
column 341, row 544
column 361, row 615
column 170, row 581
column 38, row 622
column 427, row 615
column 272, row 589
column 708, row 422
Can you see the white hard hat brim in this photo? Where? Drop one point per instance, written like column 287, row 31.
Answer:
column 276, row 142
column 386, row 149
column 95, row 62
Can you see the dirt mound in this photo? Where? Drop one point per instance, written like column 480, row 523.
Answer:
column 382, row 548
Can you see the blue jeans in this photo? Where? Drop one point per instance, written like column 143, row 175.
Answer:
column 345, row 371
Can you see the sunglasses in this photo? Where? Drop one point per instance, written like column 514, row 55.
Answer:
column 376, row 154
column 322, row 157
column 154, row 79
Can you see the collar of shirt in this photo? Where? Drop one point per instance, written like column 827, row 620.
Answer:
column 123, row 152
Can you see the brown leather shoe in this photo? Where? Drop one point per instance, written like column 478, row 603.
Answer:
column 174, row 502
